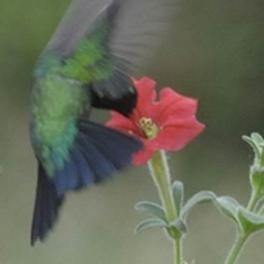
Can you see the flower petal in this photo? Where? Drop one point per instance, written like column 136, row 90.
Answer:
column 144, row 155
column 174, row 104
column 146, row 97
column 121, row 123
column 146, row 90
column 176, row 136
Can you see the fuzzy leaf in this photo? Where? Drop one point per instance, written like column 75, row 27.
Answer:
column 200, row 197
column 228, row 206
column 257, row 138
column 260, row 204
column 151, row 208
column 256, row 141
column 250, row 222
column 178, row 195
column 257, row 179
column 253, row 142
column 150, row 223
column 180, row 226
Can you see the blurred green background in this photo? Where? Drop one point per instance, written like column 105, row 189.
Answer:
column 214, row 52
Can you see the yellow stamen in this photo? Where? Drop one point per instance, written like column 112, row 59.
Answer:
column 149, row 128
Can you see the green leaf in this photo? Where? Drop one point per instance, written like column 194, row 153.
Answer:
column 150, row 223
column 228, row 206
column 253, row 142
column 178, row 195
column 259, row 204
column 257, row 138
column 250, row 222
column 151, row 208
column 180, row 225
column 200, row 197
column 257, row 180
column 256, row 141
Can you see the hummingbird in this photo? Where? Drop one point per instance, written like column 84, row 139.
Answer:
column 86, row 64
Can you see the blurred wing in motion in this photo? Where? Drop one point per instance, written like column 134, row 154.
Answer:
column 102, row 42
column 135, row 25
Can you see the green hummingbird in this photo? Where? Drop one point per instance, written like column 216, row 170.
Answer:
column 87, row 63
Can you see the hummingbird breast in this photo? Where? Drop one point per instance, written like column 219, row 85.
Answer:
column 57, row 104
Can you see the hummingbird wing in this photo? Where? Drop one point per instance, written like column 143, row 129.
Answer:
column 100, row 43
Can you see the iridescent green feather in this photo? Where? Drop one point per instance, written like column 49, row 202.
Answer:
column 55, row 111
column 90, row 61
column 62, row 96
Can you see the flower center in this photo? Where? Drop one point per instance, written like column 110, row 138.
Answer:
column 149, row 128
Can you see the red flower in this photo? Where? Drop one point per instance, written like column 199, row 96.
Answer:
column 165, row 124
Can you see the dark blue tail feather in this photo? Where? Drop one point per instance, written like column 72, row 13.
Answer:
column 66, row 178
column 83, row 170
column 105, row 168
column 47, row 206
column 117, row 148
column 98, row 151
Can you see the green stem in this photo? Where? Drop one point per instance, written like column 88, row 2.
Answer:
column 261, row 211
column 236, row 249
column 160, row 173
column 253, row 201
column 241, row 239
column 178, row 251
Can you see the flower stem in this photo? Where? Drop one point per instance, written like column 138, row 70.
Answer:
column 160, row 173
column 236, row 249
column 178, row 251
column 261, row 211
column 253, row 201
column 242, row 238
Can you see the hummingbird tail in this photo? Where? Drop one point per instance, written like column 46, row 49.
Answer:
column 47, row 206
column 98, row 151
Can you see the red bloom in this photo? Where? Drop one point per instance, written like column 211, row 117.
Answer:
column 167, row 124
